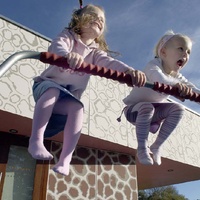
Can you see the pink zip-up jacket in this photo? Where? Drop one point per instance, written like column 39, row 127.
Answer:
column 66, row 42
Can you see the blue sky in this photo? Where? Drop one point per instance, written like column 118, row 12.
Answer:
column 134, row 27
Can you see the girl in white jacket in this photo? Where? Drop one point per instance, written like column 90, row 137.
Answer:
column 148, row 109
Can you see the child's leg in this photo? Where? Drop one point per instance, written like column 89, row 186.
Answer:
column 42, row 113
column 145, row 113
column 72, row 131
column 172, row 113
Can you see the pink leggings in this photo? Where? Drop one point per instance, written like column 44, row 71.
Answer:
column 47, row 104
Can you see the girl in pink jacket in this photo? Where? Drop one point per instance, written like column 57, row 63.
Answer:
column 57, row 91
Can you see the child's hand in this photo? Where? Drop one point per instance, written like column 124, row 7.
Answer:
column 74, row 60
column 138, row 77
column 184, row 90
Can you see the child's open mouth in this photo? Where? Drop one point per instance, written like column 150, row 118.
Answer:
column 180, row 63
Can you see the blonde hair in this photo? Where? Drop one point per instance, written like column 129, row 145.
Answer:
column 79, row 18
column 166, row 38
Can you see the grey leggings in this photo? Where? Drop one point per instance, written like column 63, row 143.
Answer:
column 145, row 114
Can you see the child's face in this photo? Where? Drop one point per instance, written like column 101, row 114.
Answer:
column 95, row 27
column 176, row 54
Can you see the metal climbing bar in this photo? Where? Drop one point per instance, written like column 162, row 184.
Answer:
column 7, row 64
column 121, row 77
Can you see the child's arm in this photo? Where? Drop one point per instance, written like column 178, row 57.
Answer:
column 189, row 84
column 138, row 77
column 102, row 59
column 184, row 90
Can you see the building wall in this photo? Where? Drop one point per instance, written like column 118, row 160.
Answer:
column 16, row 84
column 94, row 174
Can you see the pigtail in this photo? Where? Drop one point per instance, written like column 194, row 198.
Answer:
column 81, row 4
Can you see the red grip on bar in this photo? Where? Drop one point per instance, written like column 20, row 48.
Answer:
column 54, row 59
column 121, row 77
column 106, row 73
column 61, row 61
column 172, row 90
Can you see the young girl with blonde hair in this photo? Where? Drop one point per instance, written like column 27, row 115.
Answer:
column 57, row 91
column 149, row 110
